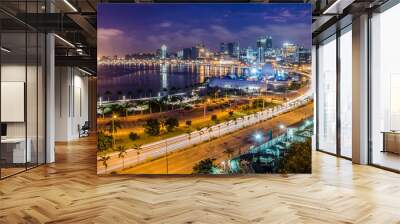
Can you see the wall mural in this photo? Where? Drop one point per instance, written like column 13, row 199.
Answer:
column 204, row 89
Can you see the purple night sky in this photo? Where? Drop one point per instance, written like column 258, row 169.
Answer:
column 142, row 28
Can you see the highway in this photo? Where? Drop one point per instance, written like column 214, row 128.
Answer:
column 159, row 148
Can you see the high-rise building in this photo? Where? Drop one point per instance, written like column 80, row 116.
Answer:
column 262, row 42
column 250, row 54
column 163, row 53
column 230, row 48
column 223, row 48
column 179, row 54
column 268, row 44
column 289, row 49
column 187, row 53
column 303, row 55
column 233, row 49
column 194, row 53
column 261, row 47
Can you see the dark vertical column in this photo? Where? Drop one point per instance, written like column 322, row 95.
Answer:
column 369, row 90
column 92, row 103
column 360, row 90
column 316, row 104
column 338, row 76
column 26, row 87
column 1, row 53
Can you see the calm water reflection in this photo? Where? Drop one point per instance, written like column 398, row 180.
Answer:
column 154, row 79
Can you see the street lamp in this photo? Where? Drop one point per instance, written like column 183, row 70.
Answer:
column 205, row 106
column 166, row 153
column 258, row 136
column 113, row 128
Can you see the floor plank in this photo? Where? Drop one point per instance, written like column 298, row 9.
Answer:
column 69, row 191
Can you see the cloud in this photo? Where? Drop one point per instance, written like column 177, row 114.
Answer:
column 165, row 24
column 221, row 33
column 286, row 15
column 106, row 34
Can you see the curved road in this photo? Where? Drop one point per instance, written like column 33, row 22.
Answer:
column 159, row 148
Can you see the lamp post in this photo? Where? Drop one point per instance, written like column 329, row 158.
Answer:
column 113, row 128
column 166, row 153
column 205, row 106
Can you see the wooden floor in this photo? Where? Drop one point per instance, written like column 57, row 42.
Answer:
column 70, row 192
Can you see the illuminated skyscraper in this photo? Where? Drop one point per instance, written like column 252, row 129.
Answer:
column 289, row 51
column 163, row 51
column 223, row 49
column 230, row 48
column 268, row 44
column 261, row 47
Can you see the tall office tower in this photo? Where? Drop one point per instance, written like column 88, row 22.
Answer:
column 249, row 54
column 262, row 42
column 187, row 53
column 179, row 54
column 195, row 53
column 260, row 55
column 236, row 50
column 268, row 43
column 303, row 55
column 223, row 48
column 289, row 51
column 261, row 47
column 201, row 51
column 163, row 53
column 232, row 48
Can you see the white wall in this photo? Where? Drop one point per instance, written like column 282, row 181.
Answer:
column 71, row 102
column 12, row 73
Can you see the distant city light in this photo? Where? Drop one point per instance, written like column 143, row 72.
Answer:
column 253, row 70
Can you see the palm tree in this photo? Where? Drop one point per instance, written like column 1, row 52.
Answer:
column 159, row 102
column 102, row 108
column 229, row 151
column 104, row 160
column 139, row 92
column 119, row 92
column 227, row 125
column 113, row 127
column 124, row 107
column 115, row 109
column 188, row 123
column 130, row 93
column 122, row 153
column 200, row 132
column 108, row 93
column 189, row 135
column 209, row 129
column 137, row 148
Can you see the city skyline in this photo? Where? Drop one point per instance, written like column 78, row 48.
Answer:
column 165, row 24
